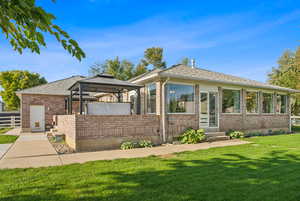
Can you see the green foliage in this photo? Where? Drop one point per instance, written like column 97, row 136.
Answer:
column 23, row 23
column 191, row 136
column 12, row 81
column 185, row 61
column 4, row 130
column 128, row 145
column 154, row 56
column 7, row 139
column 145, row 143
column 287, row 74
column 237, row 134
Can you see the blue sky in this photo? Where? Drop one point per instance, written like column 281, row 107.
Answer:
column 243, row 38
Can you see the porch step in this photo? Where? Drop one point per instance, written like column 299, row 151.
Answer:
column 216, row 136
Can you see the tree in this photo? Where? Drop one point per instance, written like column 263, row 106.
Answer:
column 154, row 56
column 140, row 69
column 122, row 70
column 23, row 23
column 287, row 74
column 12, row 81
column 185, row 61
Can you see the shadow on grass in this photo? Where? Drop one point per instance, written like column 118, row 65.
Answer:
column 229, row 177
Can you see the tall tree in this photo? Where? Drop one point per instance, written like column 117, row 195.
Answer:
column 122, row 70
column 140, row 69
column 23, row 23
column 287, row 74
column 154, row 56
column 12, row 81
column 185, row 61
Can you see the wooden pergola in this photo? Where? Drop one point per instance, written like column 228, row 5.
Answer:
column 102, row 83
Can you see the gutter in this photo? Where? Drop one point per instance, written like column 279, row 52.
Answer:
column 163, row 115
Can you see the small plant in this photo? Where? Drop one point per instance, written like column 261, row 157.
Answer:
column 127, row 145
column 145, row 143
column 237, row 134
column 191, row 136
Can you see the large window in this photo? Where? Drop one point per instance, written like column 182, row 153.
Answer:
column 281, row 104
column 252, row 102
column 267, row 103
column 180, row 98
column 231, row 101
column 151, row 98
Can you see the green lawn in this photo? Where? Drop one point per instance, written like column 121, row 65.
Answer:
column 7, row 139
column 268, row 169
column 4, row 130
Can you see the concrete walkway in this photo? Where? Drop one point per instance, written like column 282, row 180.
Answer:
column 3, row 149
column 30, row 150
column 14, row 131
column 34, row 150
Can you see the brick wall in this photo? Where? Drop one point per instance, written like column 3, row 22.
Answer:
column 66, row 124
column 99, row 132
column 53, row 105
column 177, row 123
column 253, row 122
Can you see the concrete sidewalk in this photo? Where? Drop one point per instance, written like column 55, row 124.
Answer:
column 34, row 150
column 30, row 150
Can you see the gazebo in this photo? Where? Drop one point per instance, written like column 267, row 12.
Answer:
column 102, row 83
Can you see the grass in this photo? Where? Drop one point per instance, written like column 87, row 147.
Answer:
column 266, row 169
column 4, row 130
column 7, row 139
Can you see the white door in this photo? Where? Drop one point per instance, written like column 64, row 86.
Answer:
column 37, row 117
column 209, row 110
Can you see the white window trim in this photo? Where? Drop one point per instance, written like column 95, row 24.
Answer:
column 286, row 105
column 241, row 97
column 262, row 98
column 146, row 99
column 182, row 83
column 258, row 102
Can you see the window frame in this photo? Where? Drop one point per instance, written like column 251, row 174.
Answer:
column 262, row 99
column 241, row 97
column 166, row 97
column 258, row 102
column 286, row 101
column 146, row 105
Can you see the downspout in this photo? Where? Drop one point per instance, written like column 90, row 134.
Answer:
column 163, row 109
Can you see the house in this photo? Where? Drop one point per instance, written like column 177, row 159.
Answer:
column 164, row 102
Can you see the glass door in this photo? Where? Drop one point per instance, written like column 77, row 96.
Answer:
column 208, row 109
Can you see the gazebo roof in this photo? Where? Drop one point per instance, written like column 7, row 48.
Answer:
column 103, row 83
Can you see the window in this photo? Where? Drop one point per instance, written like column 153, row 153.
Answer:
column 151, row 98
column 267, row 103
column 180, row 98
column 281, row 104
column 252, row 102
column 231, row 101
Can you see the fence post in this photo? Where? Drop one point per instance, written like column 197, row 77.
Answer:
column 12, row 121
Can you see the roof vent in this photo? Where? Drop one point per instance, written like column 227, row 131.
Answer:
column 193, row 63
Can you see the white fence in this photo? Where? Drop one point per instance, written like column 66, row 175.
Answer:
column 10, row 121
column 295, row 120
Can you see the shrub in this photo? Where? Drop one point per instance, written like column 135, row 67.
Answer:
column 191, row 136
column 145, row 143
column 236, row 134
column 127, row 145
column 253, row 134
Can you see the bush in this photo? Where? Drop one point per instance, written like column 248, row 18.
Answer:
column 253, row 134
column 237, row 134
column 127, row 145
column 191, row 136
column 145, row 143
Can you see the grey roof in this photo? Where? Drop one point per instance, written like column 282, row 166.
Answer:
column 59, row 87
column 185, row 72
